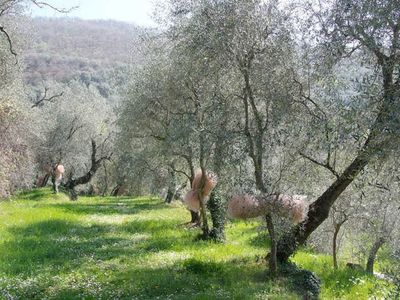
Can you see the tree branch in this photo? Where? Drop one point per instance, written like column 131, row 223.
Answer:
column 10, row 45
column 7, row 4
column 181, row 172
column 73, row 129
column 309, row 99
column 41, row 4
column 44, row 98
column 324, row 165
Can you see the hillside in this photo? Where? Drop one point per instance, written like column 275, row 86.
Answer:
column 138, row 248
column 94, row 40
column 64, row 49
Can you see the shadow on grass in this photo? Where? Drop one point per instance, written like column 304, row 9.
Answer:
column 166, row 235
column 195, row 279
column 261, row 240
column 184, row 279
column 55, row 244
column 56, row 247
column 342, row 281
column 79, row 256
column 36, row 194
column 116, row 206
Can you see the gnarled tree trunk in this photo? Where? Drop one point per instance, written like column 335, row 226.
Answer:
column 95, row 165
column 372, row 254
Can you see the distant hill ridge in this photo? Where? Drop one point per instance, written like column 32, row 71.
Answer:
column 65, row 49
column 99, row 40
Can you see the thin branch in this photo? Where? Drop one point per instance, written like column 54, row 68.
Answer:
column 309, row 99
column 181, row 172
column 324, row 165
column 395, row 41
column 73, row 130
column 247, row 132
column 44, row 98
column 6, row 6
column 10, row 45
column 380, row 186
column 41, row 4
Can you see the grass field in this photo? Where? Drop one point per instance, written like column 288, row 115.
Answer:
column 124, row 248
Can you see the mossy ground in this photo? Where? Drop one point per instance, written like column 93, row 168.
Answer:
column 125, row 248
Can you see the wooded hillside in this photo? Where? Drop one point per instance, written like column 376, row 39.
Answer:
column 92, row 52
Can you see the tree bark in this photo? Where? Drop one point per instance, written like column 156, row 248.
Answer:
column 115, row 190
column 201, row 196
column 54, row 184
column 319, row 210
column 45, row 180
column 171, row 186
column 203, row 212
column 273, row 265
column 170, row 195
column 195, row 218
column 334, row 243
column 95, row 165
column 334, row 249
column 218, row 212
column 256, row 151
column 372, row 254
column 105, row 188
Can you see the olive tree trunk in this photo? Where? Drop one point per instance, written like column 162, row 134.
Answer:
column 95, row 165
column 334, row 243
column 273, row 265
column 217, row 209
column 372, row 254
column 171, row 186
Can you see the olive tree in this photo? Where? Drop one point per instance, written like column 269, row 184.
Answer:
column 69, row 127
column 349, row 27
column 16, row 142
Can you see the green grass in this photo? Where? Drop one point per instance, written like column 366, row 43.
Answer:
column 124, row 248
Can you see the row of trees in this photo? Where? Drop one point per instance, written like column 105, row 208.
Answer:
column 275, row 102
column 298, row 100
column 46, row 124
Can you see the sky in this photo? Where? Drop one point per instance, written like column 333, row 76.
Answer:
column 132, row 11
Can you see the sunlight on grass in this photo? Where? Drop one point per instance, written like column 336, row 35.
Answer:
column 102, row 248
column 343, row 283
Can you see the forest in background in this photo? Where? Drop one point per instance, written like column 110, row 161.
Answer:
column 96, row 53
column 295, row 100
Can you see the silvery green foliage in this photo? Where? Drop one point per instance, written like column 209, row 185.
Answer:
column 371, row 206
column 16, row 153
column 16, row 134
column 355, row 33
column 69, row 124
column 378, row 217
column 195, row 86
